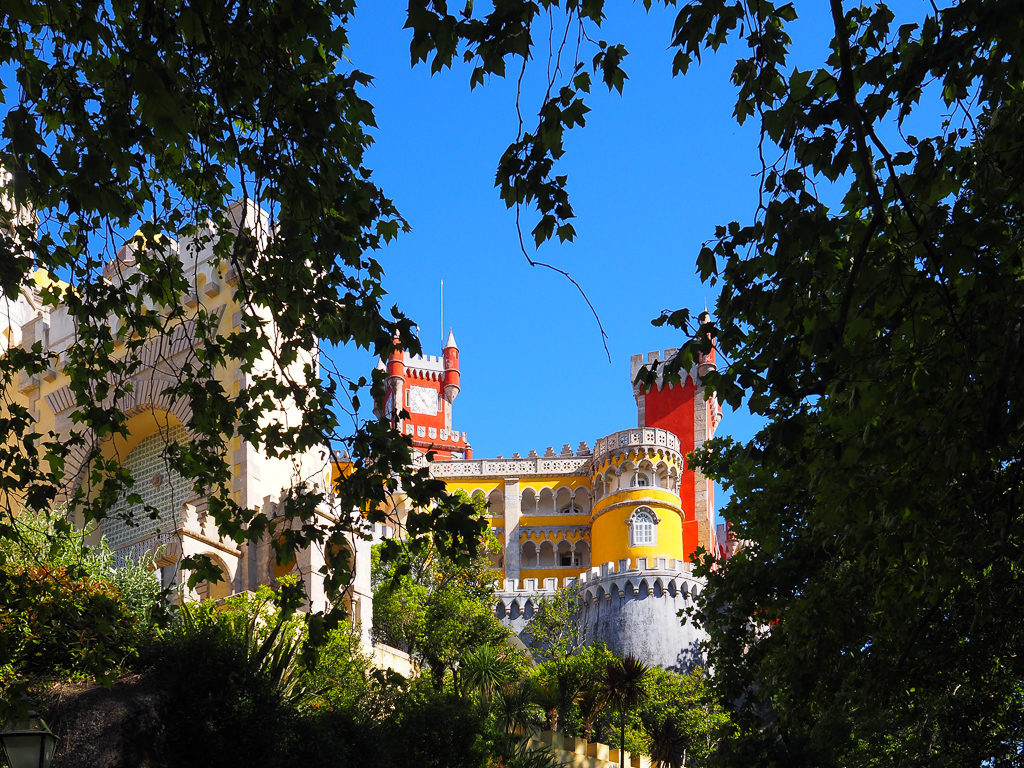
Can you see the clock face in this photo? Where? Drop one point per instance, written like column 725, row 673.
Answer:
column 423, row 400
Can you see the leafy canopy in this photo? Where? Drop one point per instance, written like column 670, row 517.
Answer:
column 153, row 118
column 435, row 607
column 871, row 312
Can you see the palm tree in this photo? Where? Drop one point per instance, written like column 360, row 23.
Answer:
column 591, row 701
column 486, row 669
column 556, row 686
column 668, row 743
column 624, row 683
column 515, row 708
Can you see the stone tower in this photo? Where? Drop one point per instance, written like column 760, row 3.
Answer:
column 682, row 409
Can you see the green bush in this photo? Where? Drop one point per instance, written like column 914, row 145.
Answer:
column 65, row 610
column 228, row 708
column 48, row 540
column 55, row 621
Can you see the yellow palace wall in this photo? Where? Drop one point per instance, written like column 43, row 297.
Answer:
column 594, row 525
column 256, row 478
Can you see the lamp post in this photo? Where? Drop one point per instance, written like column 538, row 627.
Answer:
column 27, row 742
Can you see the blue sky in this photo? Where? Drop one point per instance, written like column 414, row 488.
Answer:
column 651, row 174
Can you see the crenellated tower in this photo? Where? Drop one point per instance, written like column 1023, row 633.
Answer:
column 418, row 398
column 684, row 409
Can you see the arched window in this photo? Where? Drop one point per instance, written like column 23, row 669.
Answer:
column 642, row 531
column 157, row 488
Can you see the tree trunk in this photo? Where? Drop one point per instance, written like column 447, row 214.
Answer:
column 553, row 719
column 622, row 740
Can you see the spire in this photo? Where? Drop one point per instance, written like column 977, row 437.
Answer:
column 451, row 367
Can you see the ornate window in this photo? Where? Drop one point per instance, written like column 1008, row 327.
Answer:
column 642, row 530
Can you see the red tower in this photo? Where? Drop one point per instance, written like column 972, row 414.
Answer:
column 418, row 400
column 683, row 410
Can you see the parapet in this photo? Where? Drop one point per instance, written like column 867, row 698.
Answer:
column 660, row 577
column 613, row 569
column 636, row 362
column 514, row 467
column 435, row 433
column 429, row 367
column 657, row 575
column 640, row 437
column 565, row 462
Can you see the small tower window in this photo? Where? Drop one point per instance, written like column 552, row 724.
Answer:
column 642, row 530
column 641, row 480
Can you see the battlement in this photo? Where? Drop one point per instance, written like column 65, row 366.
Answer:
column 213, row 280
column 434, row 433
column 565, row 462
column 661, row 577
column 499, row 467
column 422, row 365
column 596, row 575
column 636, row 362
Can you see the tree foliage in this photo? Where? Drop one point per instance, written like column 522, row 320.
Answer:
column 682, row 719
column 554, row 631
column 871, row 313
column 153, row 118
column 435, row 607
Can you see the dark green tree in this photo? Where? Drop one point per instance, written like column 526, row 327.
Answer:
column 554, row 631
column 682, row 720
column 436, row 607
column 153, row 117
column 871, row 313
column 624, row 684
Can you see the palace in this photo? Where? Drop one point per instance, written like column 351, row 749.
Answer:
column 622, row 520
column 155, row 420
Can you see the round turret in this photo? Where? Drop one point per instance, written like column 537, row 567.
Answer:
column 396, row 363
column 706, row 361
column 394, row 396
column 637, row 512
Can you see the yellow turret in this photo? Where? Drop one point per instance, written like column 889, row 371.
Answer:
column 635, row 475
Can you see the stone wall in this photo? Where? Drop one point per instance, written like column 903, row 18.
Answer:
column 632, row 606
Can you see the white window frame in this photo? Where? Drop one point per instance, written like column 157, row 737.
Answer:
column 638, row 522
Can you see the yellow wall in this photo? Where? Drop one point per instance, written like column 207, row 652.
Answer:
column 545, row 573
column 609, row 532
column 604, row 526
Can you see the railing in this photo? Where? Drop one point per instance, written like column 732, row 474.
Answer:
column 568, row 465
column 642, row 437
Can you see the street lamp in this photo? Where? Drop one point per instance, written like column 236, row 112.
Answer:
column 27, row 742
